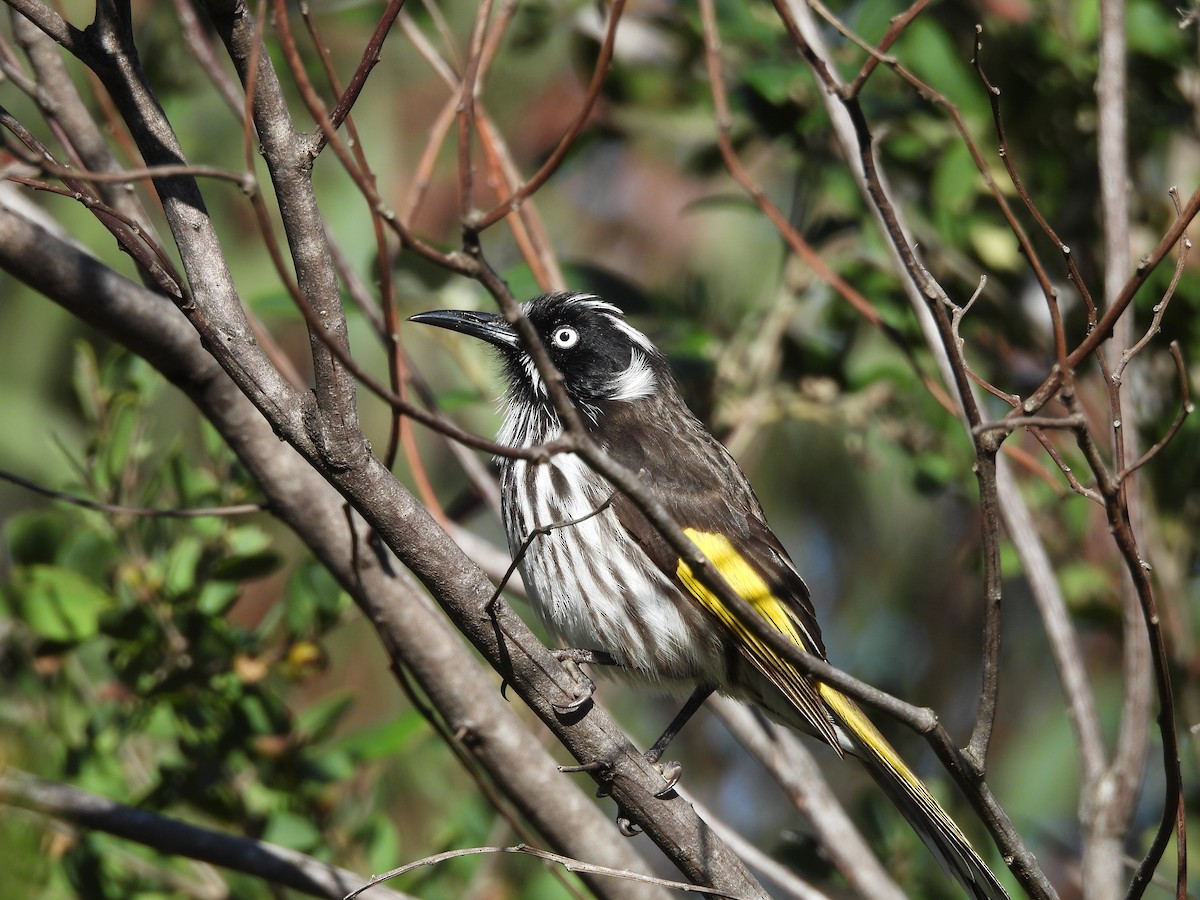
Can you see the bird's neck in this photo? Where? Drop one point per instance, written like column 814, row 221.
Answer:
column 528, row 424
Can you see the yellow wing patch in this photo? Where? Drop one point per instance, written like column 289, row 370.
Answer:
column 742, row 577
column 746, row 581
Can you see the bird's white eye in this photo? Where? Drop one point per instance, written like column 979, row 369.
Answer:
column 564, row 337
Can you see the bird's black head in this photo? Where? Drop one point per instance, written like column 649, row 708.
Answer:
column 600, row 355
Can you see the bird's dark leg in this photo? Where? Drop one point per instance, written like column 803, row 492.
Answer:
column 672, row 771
column 694, row 702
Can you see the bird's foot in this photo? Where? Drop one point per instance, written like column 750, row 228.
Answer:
column 571, row 659
column 671, row 771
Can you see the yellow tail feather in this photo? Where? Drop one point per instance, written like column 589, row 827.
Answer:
column 912, row 798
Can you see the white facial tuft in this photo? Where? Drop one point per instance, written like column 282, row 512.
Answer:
column 635, row 382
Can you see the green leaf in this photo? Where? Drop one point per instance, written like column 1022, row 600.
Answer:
column 1152, row 31
column 58, row 604
column 942, row 61
column 1085, row 585
column 247, row 539
column 996, row 245
column 454, row 399
column 934, row 472
column 385, row 740
column 322, row 717
column 35, row 537
column 245, row 568
column 248, row 555
column 773, row 79
column 194, row 485
column 312, row 597
column 290, row 830
column 123, row 446
column 182, row 559
column 1010, row 560
column 381, row 844
column 328, row 767
column 260, row 716
column 85, row 378
column 955, row 180
column 216, row 597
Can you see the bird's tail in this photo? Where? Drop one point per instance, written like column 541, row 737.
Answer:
column 912, row 798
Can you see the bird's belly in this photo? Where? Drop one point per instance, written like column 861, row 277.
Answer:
column 594, row 587
column 621, row 608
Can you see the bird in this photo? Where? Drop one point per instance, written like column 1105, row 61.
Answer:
column 606, row 583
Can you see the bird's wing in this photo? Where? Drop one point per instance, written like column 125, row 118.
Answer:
column 702, row 488
column 736, row 540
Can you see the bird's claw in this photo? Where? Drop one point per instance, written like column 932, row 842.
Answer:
column 671, row 771
column 570, row 661
column 626, row 826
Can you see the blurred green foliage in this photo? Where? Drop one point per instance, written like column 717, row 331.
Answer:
column 207, row 668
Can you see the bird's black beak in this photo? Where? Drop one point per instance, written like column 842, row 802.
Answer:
column 487, row 326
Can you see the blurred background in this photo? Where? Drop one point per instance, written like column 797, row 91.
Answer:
column 209, row 669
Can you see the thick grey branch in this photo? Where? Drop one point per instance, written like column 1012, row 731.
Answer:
column 289, row 156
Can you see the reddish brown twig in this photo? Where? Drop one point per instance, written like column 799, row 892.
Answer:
column 554, row 160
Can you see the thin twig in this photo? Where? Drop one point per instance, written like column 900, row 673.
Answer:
column 466, row 128
column 849, row 117
column 1072, row 480
column 1160, row 308
column 1008, row 426
column 1172, row 820
column 129, row 236
column 198, row 41
column 796, row 772
column 400, row 430
column 785, row 878
column 1186, row 408
column 370, row 59
column 237, row 509
column 571, row 865
column 895, row 28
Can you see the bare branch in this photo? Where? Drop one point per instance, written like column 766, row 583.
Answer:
column 276, row 865
column 571, row 865
column 466, row 128
column 1008, row 426
column 149, row 257
column 411, row 629
column 370, row 58
column 239, row 509
column 1186, row 407
column 52, row 24
column 997, row 492
column 785, row 879
column 1160, row 308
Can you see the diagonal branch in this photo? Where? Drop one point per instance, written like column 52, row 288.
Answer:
column 275, row 865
